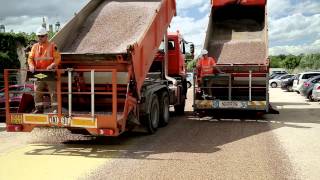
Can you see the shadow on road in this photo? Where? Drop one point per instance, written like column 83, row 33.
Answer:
column 185, row 134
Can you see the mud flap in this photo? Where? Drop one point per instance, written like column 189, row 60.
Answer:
column 26, row 104
column 272, row 110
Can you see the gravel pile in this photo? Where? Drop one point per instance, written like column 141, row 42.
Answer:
column 54, row 136
column 113, row 26
column 238, row 42
column 239, row 52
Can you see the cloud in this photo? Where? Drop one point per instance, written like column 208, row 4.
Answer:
column 25, row 15
column 293, row 23
column 187, row 4
column 205, row 8
column 294, row 27
column 192, row 29
column 296, row 50
column 282, row 8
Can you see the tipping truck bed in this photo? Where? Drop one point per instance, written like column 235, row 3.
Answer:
column 107, row 50
column 237, row 38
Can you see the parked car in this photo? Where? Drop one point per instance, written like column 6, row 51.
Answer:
column 15, row 94
column 316, row 92
column 287, row 84
column 306, row 89
column 275, row 74
column 303, row 77
column 276, row 82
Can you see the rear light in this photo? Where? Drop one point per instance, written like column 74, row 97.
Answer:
column 14, row 128
column 306, row 84
column 106, row 132
column 318, row 88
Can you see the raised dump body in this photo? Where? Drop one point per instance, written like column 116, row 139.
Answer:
column 107, row 50
column 237, row 37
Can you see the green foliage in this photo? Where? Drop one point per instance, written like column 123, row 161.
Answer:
column 191, row 65
column 8, row 49
column 291, row 62
column 311, row 61
column 275, row 62
column 300, row 62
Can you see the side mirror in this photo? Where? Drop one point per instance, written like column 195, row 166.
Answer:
column 192, row 49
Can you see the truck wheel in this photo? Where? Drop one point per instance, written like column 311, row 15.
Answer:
column 152, row 119
column 164, row 109
column 189, row 84
column 273, row 85
column 179, row 109
column 310, row 97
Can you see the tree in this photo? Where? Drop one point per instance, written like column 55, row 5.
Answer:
column 8, row 49
column 275, row 62
column 291, row 62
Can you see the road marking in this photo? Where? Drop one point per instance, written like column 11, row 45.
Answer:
column 49, row 162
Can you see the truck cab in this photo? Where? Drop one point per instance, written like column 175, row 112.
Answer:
column 176, row 55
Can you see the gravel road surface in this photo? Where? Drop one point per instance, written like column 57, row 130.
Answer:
column 281, row 146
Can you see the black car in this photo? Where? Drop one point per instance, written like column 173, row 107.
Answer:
column 288, row 83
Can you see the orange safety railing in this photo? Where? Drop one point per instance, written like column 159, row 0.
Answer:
column 69, row 93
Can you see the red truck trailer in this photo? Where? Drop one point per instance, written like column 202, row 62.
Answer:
column 237, row 36
column 112, row 76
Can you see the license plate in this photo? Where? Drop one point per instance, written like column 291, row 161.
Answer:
column 232, row 104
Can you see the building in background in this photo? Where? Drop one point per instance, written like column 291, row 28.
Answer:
column 57, row 27
column 44, row 23
column 2, row 28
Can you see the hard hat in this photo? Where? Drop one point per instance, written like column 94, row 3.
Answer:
column 204, row 52
column 41, row 31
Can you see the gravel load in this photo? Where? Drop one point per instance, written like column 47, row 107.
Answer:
column 238, row 42
column 240, row 52
column 113, row 26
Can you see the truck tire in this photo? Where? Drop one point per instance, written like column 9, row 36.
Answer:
column 164, row 109
column 179, row 109
column 310, row 97
column 151, row 120
column 189, row 84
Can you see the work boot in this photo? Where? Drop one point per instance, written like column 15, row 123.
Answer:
column 38, row 110
column 54, row 109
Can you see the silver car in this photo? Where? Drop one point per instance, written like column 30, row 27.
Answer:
column 316, row 92
column 276, row 82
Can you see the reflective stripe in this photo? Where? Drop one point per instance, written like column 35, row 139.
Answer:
column 39, row 104
column 43, row 58
column 207, row 66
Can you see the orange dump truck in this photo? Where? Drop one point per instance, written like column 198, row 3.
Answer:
column 237, row 36
column 112, row 76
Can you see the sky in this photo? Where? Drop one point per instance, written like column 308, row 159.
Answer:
column 294, row 25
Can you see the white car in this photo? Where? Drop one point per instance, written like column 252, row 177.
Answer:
column 303, row 77
column 276, row 82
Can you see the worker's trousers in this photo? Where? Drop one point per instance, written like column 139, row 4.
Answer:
column 40, row 88
column 208, row 84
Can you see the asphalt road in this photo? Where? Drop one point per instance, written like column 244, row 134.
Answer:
column 284, row 146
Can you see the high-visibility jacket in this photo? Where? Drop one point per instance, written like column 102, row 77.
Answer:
column 205, row 66
column 43, row 55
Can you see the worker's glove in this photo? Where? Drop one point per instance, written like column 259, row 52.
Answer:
column 31, row 68
column 51, row 67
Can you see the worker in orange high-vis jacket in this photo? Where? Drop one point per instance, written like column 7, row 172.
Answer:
column 206, row 66
column 44, row 56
